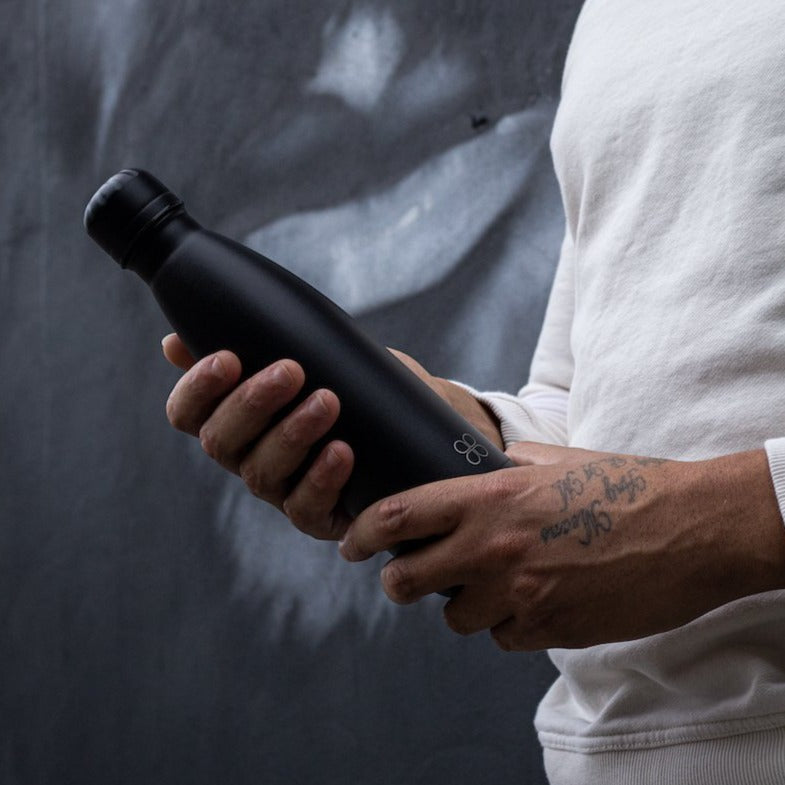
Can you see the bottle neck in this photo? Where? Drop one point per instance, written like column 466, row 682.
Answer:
column 157, row 243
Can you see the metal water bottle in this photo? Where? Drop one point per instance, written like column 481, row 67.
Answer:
column 218, row 294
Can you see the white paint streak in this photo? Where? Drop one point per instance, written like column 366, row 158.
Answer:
column 409, row 217
column 115, row 20
column 359, row 57
column 394, row 243
column 433, row 82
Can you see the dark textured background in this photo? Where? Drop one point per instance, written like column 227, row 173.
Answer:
column 158, row 624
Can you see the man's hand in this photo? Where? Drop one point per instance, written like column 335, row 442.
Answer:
column 239, row 426
column 574, row 548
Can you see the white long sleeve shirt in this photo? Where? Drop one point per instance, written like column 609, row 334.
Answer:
column 665, row 336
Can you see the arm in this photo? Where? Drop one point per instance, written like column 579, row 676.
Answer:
column 575, row 548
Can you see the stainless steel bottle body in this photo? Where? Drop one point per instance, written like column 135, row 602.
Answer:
column 219, row 294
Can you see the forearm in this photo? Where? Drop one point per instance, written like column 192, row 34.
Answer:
column 574, row 548
column 733, row 499
column 472, row 409
column 459, row 398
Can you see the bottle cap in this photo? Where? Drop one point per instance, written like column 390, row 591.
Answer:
column 124, row 207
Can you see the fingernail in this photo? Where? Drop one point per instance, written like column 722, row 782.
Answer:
column 281, row 376
column 217, row 368
column 332, row 459
column 344, row 550
column 166, row 338
column 316, row 405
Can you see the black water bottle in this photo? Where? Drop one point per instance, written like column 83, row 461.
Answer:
column 218, row 294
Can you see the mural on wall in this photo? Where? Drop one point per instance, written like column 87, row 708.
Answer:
column 164, row 625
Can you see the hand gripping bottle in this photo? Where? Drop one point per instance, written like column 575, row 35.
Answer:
column 218, row 294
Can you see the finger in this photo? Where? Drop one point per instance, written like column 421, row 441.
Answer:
column 422, row 512
column 441, row 387
column 266, row 469
column 198, row 391
column 509, row 637
column 175, row 351
column 476, row 607
column 313, row 504
column 245, row 414
column 411, row 364
column 429, row 568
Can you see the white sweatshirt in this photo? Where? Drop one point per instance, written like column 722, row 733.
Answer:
column 665, row 336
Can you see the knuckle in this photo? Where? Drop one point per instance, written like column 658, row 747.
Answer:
column 308, row 520
column 210, row 442
column 536, row 619
column 256, row 479
column 500, row 548
column 454, row 621
column 199, row 382
column 393, row 517
column 527, row 594
column 179, row 417
column 531, row 593
column 291, row 436
column 173, row 413
column 317, row 530
column 301, row 518
column 398, row 584
column 495, row 487
column 252, row 395
column 503, row 640
column 318, row 480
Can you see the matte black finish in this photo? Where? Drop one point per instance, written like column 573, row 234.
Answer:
column 124, row 208
column 218, row 294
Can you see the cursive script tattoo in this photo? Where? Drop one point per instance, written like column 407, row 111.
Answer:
column 569, row 488
column 591, row 521
column 630, row 484
column 598, row 478
column 596, row 469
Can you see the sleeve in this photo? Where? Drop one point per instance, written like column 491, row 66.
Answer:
column 775, row 451
column 539, row 411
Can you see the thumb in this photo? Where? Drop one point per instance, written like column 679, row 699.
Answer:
column 174, row 350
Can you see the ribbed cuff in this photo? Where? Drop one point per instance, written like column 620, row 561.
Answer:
column 515, row 423
column 750, row 759
column 775, row 450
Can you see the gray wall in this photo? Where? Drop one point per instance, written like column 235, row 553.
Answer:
column 158, row 623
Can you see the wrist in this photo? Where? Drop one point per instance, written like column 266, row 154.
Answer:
column 743, row 516
column 471, row 409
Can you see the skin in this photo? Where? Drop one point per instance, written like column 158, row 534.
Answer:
column 570, row 548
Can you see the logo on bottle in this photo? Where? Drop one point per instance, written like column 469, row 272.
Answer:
column 468, row 446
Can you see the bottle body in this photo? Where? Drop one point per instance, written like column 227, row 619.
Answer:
column 218, row 294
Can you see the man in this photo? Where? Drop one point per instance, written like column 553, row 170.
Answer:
column 649, row 554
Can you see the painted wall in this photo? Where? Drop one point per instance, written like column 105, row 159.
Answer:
column 159, row 624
